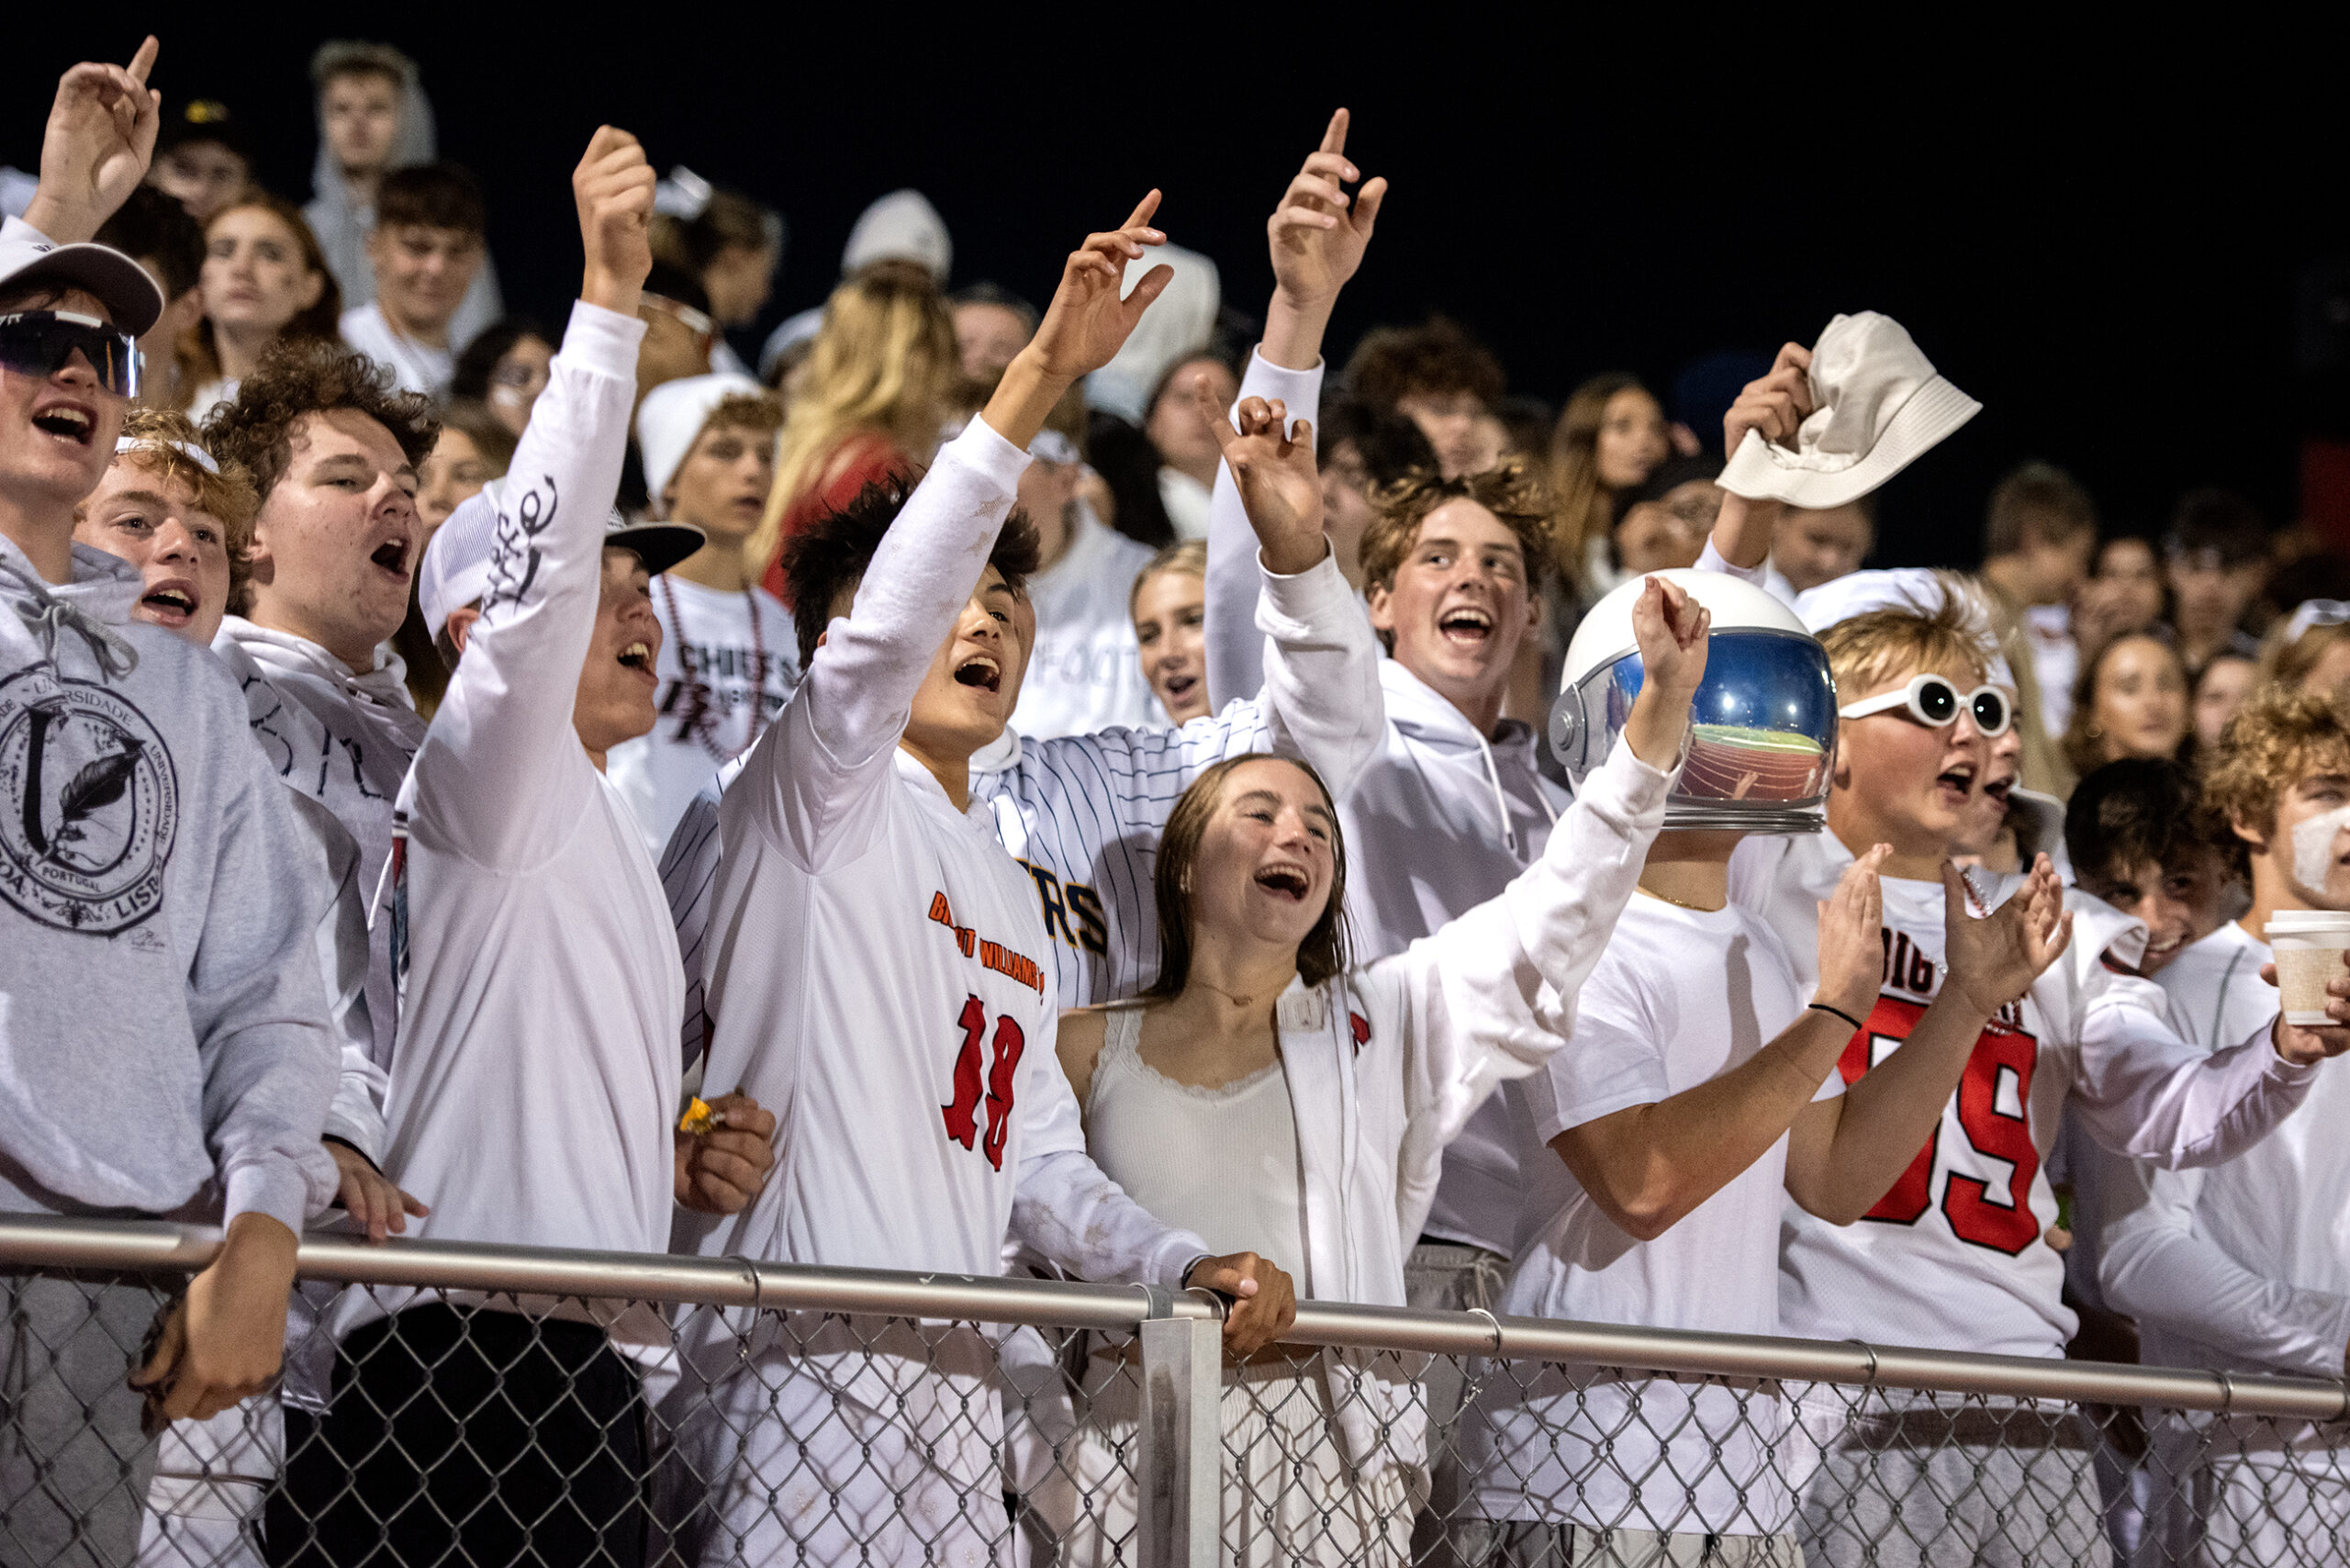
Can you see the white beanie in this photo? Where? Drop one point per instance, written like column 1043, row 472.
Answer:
column 1180, row 323
column 672, row 417
column 903, row 226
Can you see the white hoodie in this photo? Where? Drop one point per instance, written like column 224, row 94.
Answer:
column 344, row 741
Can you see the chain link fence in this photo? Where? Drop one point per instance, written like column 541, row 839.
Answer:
column 447, row 1404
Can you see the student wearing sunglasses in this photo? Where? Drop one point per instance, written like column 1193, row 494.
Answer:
column 155, row 928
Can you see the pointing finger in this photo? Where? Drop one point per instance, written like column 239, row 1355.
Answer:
column 144, row 60
column 1140, row 216
column 1334, row 135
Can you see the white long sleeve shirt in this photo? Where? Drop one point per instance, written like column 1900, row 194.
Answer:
column 877, row 968
column 1082, row 814
column 535, row 1077
column 1386, row 1063
column 2245, row 1266
column 1955, row 1256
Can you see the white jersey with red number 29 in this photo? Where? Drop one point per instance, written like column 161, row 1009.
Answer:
column 1955, row 1255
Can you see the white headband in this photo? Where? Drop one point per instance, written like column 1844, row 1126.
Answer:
column 186, row 449
column 2315, row 612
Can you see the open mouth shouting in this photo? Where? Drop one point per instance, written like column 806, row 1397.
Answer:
column 171, row 603
column 980, row 670
column 1466, row 626
column 1956, row 783
column 1285, row 880
column 392, row 555
column 637, row 656
column 74, row 423
column 1179, row 687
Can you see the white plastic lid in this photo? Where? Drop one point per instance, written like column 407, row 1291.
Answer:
column 2307, row 921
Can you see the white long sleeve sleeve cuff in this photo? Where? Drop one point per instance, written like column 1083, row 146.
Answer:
column 989, row 454
column 603, row 340
column 1302, row 607
column 1712, row 560
column 1068, row 1208
column 287, row 1190
column 1300, row 391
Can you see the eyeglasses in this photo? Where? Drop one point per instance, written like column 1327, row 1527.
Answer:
column 1932, row 702
column 42, row 342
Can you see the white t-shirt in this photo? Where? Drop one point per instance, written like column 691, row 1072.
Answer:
column 2056, row 662
column 417, row 367
column 1680, row 997
column 1955, row 1256
column 1085, row 672
column 728, row 663
column 535, row 1076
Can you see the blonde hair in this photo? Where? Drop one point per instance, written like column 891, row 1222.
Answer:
column 1867, row 649
column 2287, row 662
column 1586, row 507
column 884, row 360
column 1187, row 558
column 228, row 497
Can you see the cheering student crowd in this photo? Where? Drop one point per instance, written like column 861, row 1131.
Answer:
column 1088, row 791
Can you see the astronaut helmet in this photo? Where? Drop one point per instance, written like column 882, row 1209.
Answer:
column 1762, row 738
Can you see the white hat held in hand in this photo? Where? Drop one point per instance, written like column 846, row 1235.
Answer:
column 672, row 417
column 1877, row 406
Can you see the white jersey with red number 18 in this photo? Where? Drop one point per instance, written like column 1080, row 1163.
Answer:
column 1955, row 1255
column 874, row 958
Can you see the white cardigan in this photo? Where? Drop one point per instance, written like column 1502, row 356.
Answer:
column 1386, row 1062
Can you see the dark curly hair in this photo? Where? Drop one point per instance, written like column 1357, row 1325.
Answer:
column 831, row 553
column 2139, row 809
column 312, row 376
column 1393, row 363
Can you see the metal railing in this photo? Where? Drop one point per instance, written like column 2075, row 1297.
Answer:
column 1123, row 1436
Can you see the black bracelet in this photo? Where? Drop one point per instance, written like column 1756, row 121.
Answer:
column 1823, row 1007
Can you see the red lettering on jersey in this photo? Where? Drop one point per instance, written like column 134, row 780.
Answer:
column 2003, row 1048
column 2011, row 1227
column 939, row 912
column 962, row 1113
column 1023, row 969
column 1892, row 1019
column 1002, row 1081
column 965, row 937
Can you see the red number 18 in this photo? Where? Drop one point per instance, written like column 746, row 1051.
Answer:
column 1001, row 1081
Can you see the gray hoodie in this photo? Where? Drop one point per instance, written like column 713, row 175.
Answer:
column 163, row 1038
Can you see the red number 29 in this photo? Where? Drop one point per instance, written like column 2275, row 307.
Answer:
column 2007, row 1227
column 963, row 1115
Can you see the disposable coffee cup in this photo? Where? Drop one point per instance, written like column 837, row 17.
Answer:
column 2308, row 945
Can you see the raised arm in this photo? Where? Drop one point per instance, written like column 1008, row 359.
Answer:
column 1774, row 408
column 1317, row 234
column 498, row 775
column 810, row 783
column 100, row 138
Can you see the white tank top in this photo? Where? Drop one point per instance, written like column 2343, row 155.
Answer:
column 1222, row 1162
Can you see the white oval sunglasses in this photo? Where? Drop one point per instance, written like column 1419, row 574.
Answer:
column 1933, row 701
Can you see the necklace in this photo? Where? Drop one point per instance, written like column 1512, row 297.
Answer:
column 700, row 722
column 1682, row 903
column 1235, row 998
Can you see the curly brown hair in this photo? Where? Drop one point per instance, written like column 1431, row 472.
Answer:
column 1393, row 363
column 1511, row 490
column 2275, row 739
column 312, row 376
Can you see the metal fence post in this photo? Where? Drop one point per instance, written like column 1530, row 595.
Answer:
column 1182, row 1441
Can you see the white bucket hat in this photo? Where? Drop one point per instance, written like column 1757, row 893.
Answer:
column 1877, row 406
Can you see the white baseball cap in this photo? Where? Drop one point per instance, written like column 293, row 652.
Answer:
column 672, row 417
column 1877, row 406
column 121, row 284
column 455, row 570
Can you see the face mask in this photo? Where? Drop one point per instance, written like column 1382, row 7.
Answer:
column 2313, row 847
